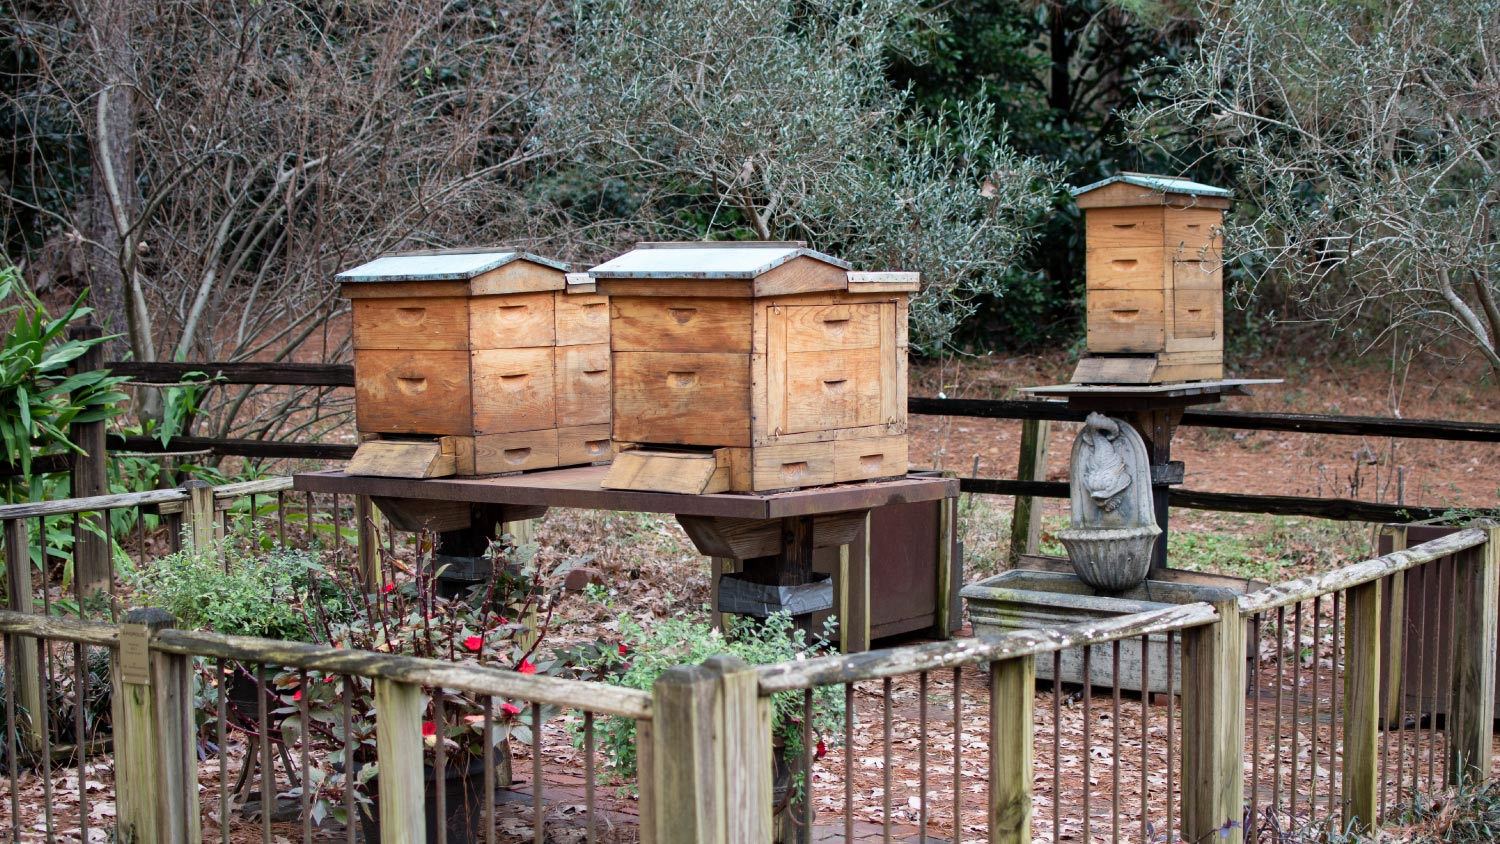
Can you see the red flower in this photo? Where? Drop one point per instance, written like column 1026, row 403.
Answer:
column 474, row 643
column 390, row 586
column 623, row 649
column 822, row 749
column 510, row 709
column 429, row 728
column 297, row 695
column 526, row 667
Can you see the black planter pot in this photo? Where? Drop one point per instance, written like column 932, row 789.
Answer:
column 463, row 796
column 244, row 695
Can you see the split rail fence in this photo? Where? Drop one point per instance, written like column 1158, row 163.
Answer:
column 88, row 473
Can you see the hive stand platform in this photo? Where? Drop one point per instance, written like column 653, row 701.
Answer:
column 768, row 539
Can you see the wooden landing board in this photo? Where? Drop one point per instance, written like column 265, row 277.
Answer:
column 682, row 472
column 420, row 459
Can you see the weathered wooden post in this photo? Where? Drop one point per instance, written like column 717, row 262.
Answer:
column 746, row 767
column 25, row 664
column 398, row 748
column 371, row 525
column 1026, row 517
column 688, row 757
column 89, row 477
column 1213, row 727
column 1013, row 692
column 156, row 761
column 1476, row 583
column 198, row 515
column 645, row 778
column 1362, row 662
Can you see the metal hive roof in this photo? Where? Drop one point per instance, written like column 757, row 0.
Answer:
column 1164, row 184
column 706, row 260
column 446, row 266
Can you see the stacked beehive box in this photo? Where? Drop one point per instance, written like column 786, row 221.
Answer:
column 767, row 365
column 1155, row 280
column 476, row 362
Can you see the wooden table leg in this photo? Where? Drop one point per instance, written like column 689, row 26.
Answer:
column 853, row 600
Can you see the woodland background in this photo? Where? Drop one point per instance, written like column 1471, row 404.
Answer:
column 204, row 168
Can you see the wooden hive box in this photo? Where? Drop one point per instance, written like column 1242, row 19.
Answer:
column 769, row 365
column 1155, row 280
column 476, row 362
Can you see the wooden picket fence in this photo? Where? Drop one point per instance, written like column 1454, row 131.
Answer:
column 705, row 736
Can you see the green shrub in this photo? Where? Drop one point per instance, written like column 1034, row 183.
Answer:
column 257, row 590
column 645, row 653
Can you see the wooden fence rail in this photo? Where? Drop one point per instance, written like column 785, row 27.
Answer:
column 705, row 732
column 1215, row 713
column 157, row 789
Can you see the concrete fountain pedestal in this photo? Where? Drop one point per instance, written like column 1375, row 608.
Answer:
column 1023, row 599
column 1110, row 544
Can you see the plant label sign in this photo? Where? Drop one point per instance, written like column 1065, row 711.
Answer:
column 135, row 654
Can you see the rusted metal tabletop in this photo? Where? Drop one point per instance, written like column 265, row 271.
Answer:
column 578, row 487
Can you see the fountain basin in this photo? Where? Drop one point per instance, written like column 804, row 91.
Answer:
column 1023, row 599
column 1111, row 559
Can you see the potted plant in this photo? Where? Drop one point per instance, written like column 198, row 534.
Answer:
column 644, row 653
column 502, row 623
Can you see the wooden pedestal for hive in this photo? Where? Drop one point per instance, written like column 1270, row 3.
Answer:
column 1155, row 285
column 793, row 377
column 506, row 371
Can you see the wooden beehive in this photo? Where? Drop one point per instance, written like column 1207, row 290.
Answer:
column 475, row 363
column 782, row 368
column 1155, row 281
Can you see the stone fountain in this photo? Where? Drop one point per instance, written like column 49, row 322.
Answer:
column 1114, row 525
column 1110, row 541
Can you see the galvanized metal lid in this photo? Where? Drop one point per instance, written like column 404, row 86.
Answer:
column 440, row 266
column 1162, row 184
column 707, row 260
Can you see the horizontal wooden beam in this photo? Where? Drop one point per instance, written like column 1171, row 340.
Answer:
column 1303, row 423
column 233, row 447
column 1294, row 591
column 262, row 486
column 1334, row 509
column 1055, row 411
column 873, row 665
column 59, row 629
column 92, row 503
column 41, row 464
column 575, row 694
column 1355, row 426
column 237, row 372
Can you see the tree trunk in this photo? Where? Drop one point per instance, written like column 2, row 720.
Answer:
column 112, row 192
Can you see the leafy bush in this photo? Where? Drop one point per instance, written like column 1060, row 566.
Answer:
column 259, row 589
column 644, row 654
column 40, row 396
